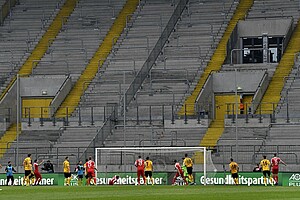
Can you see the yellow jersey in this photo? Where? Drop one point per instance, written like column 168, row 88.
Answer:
column 148, row 165
column 66, row 166
column 234, row 167
column 265, row 163
column 188, row 162
column 27, row 164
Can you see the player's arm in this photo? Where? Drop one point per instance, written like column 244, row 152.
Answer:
column 41, row 162
column 282, row 162
column 14, row 170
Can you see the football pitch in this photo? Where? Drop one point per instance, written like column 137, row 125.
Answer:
column 149, row 192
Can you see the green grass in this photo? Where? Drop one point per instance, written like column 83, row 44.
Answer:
column 149, row 192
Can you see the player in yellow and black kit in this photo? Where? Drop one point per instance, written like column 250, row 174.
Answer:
column 266, row 164
column 29, row 175
column 234, row 169
column 67, row 171
column 188, row 162
column 149, row 169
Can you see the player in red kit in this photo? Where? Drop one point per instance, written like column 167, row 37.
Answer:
column 37, row 174
column 179, row 172
column 90, row 168
column 140, row 165
column 275, row 161
column 113, row 180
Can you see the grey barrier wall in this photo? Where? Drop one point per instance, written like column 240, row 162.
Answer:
column 61, row 94
column 144, row 71
column 6, row 8
column 206, row 96
column 10, row 101
column 261, row 89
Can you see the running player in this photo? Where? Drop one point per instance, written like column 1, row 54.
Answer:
column 149, row 169
column 265, row 164
column 140, row 165
column 80, row 171
column 27, row 164
column 179, row 172
column 9, row 173
column 113, row 180
column 234, row 168
column 67, row 171
column 188, row 162
column 90, row 168
column 275, row 161
column 37, row 174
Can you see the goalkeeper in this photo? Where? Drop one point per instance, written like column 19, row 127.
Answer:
column 185, row 172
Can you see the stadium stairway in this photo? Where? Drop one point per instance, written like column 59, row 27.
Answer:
column 283, row 69
column 218, row 57
column 42, row 46
column 9, row 136
column 73, row 98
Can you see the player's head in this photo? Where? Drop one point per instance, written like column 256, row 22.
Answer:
column 140, row 157
column 147, row 158
column 186, row 155
column 275, row 154
column 90, row 158
column 175, row 161
column 183, row 158
column 9, row 163
column 265, row 157
column 80, row 162
column 66, row 158
column 86, row 160
column 117, row 177
column 35, row 160
column 29, row 155
column 231, row 159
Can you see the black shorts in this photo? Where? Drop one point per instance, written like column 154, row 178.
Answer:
column 27, row 172
column 80, row 176
column 235, row 175
column 67, row 175
column 266, row 172
column 189, row 170
column 148, row 174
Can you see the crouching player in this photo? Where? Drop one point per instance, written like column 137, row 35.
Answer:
column 113, row 180
column 179, row 172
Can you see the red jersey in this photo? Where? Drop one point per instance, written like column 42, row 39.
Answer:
column 140, row 164
column 113, row 180
column 36, row 167
column 178, row 167
column 90, row 165
column 275, row 161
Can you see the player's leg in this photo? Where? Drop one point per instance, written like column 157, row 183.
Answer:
column 69, row 178
column 174, row 178
column 7, row 180
column 144, row 177
column 236, row 178
column 190, row 174
column 94, row 178
column 265, row 177
column 270, row 178
column 182, row 175
column 138, row 176
column 151, row 178
column 12, row 180
column 31, row 177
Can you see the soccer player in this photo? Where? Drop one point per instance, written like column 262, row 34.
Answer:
column 80, row 171
column 67, row 171
column 90, row 167
column 275, row 161
column 179, row 172
column 9, row 173
column 140, row 165
column 27, row 164
column 265, row 164
column 234, row 168
column 37, row 174
column 188, row 162
column 185, row 173
column 113, row 180
column 149, row 169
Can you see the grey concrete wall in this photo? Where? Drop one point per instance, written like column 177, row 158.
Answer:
column 248, row 80
column 10, row 101
column 33, row 86
column 61, row 94
column 254, row 28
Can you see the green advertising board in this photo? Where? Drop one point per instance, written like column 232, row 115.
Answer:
column 248, row 178
column 219, row 178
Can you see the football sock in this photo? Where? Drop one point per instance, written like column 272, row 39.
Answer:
column 265, row 180
column 69, row 180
